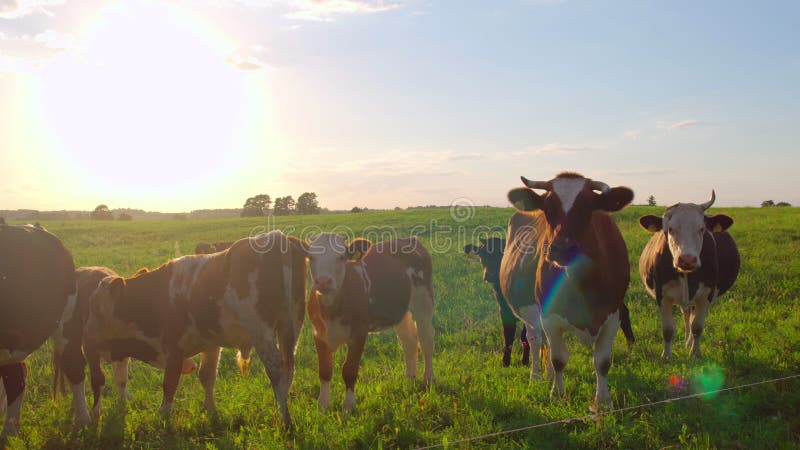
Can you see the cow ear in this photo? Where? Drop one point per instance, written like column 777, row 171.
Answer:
column 357, row 249
column 117, row 287
column 299, row 245
column 525, row 199
column 614, row 199
column 651, row 223
column 718, row 223
column 140, row 271
column 470, row 250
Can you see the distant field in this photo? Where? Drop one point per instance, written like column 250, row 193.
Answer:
column 752, row 334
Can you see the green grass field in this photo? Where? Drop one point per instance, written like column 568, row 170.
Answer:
column 752, row 334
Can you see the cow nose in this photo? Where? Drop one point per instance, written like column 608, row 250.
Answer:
column 563, row 251
column 687, row 262
column 323, row 284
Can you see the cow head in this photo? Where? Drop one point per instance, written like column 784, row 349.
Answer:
column 685, row 225
column 328, row 255
column 102, row 305
column 568, row 202
column 490, row 252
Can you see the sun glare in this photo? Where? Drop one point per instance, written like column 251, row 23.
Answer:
column 149, row 106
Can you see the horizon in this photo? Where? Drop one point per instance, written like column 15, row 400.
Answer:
column 381, row 104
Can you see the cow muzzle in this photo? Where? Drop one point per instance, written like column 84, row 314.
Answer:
column 563, row 252
column 324, row 284
column 687, row 263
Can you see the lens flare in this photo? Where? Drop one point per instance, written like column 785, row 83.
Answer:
column 706, row 380
column 557, row 290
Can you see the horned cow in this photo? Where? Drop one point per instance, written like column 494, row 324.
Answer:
column 689, row 261
column 566, row 250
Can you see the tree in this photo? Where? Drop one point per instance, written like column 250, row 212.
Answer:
column 767, row 203
column 101, row 212
column 356, row 209
column 256, row 206
column 781, row 204
column 651, row 201
column 125, row 217
column 307, row 203
column 284, row 206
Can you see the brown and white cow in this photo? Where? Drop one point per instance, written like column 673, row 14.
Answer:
column 581, row 267
column 69, row 366
column 37, row 286
column 250, row 295
column 689, row 262
column 204, row 248
column 361, row 288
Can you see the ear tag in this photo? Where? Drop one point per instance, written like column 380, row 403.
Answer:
column 652, row 228
column 717, row 228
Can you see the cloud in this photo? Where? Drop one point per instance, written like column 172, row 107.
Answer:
column 246, row 64
column 12, row 9
column 39, row 47
column 632, row 134
column 680, row 124
column 326, row 10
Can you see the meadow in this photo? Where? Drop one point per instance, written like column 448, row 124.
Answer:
column 752, row 334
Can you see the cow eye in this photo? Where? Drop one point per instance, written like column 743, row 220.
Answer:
column 671, row 230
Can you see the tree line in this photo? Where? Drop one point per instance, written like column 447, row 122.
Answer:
column 259, row 205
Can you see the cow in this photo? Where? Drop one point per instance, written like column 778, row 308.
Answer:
column 204, row 248
column 250, row 295
column 37, row 287
column 360, row 288
column 88, row 279
column 689, row 261
column 490, row 251
column 566, row 250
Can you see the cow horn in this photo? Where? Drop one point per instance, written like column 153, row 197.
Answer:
column 535, row 184
column 708, row 204
column 599, row 186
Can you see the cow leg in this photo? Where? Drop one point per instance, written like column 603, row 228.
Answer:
column 350, row 370
column 209, row 361
column 698, row 321
column 422, row 312
column 14, row 376
column 96, row 376
column 407, row 332
column 172, row 376
column 509, row 331
column 121, row 380
column 526, row 349
column 602, row 358
column 68, row 339
column 325, row 358
column 667, row 327
column 687, row 314
column 533, row 324
column 267, row 349
column 559, row 353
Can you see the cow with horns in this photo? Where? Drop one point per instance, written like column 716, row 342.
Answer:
column 565, row 248
column 690, row 261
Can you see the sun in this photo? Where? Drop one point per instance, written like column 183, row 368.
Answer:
column 148, row 106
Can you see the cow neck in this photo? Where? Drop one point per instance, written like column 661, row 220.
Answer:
column 143, row 294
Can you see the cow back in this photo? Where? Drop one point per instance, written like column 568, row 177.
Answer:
column 728, row 261
column 37, row 275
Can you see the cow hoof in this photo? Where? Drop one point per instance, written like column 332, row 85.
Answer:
column 349, row 401
column 666, row 356
column 82, row 421
column 209, row 406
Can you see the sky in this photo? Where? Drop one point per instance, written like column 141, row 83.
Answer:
column 178, row 105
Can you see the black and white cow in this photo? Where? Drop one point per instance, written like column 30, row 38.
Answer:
column 690, row 261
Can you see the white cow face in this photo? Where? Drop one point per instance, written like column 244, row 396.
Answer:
column 328, row 255
column 685, row 225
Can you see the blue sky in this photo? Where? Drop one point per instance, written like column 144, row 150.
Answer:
column 184, row 105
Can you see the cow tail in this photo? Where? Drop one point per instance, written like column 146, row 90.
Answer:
column 58, row 375
column 625, row 324
column 243, row 361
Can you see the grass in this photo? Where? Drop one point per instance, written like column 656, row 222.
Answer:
column 752, row 334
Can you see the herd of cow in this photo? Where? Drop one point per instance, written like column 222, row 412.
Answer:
column 562, row 267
